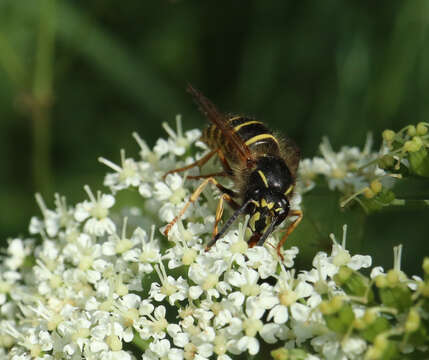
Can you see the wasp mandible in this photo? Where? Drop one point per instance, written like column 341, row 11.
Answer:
column 262, row 166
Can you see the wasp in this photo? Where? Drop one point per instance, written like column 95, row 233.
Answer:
column 262, row 166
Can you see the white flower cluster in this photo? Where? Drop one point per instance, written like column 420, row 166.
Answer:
column 96, row 285
column 350, row 170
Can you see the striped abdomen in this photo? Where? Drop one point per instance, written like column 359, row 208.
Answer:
column 253, row 133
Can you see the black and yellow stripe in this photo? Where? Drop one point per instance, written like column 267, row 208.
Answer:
column 253, row 133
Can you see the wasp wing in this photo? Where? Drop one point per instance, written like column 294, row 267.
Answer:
column 220, row 120
column 291, row 154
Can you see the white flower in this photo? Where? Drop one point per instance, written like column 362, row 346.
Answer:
column 120, row 246
column 92, row 290
column 152, row 326
column 177, row 144
column 353, row 347
column 147, row 254
column 96, row 211
column 259, row 258
column 174, row 290
column 17, row 251
column 126, row 175
column 206, row 272
column 288, row 291
column 161, row 349
column 246, row 279
column 52, row 220
column 250, row 325
column 187, row 245
column 340, row 256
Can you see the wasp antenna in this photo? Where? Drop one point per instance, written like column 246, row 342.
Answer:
column 266, row 233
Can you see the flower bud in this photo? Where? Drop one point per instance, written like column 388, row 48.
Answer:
column 418, row 141
column 398, row 297
column 426, row 265
column 381, row 281
column 368, row 193
column 353, row 283
column 374, row 324
column 413, row 321
column 411, row 146
column 370, row 316
column 386, row 161
column 388, row 135
column 424, row 289
column 411, row 130
column 382, row 349
column 289, row 354
column 392, row 277
column 280, row 354
column 376, row 186
column 421, row 129
column 338, row 315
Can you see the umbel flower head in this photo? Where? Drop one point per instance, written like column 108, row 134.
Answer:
column 98, row 281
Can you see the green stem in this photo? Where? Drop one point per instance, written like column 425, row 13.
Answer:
column 42, row 97
column 139, row 342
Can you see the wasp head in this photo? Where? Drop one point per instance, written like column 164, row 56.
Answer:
column 267, row 210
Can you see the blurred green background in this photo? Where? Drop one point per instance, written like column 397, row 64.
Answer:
column 77, row 77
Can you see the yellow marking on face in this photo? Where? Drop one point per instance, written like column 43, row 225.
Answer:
column 264, row 179
column 268, row 205
column 289, row 189
column 260, row 137
column 238, row 127
column 278, row 210
column 256, row 203
column 256, row 216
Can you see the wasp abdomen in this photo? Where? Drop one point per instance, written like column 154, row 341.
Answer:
column 253, row 133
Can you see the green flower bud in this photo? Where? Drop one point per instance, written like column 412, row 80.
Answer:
column 280, row 354
column 419, row 161
column 418, row 141
column 381, row 281
column 424, row 289
column 370, row 316
column 411, row 130
column 381, row 342
column 388, row 135
column 398, row 297
column 386, row 161
column 411, row 146
column 353, row 283
column 289, row 354
column 343, row 275
column 376, row 186
column 382, row 349
column 392, row 277
column 338, row 315
column 413, row 321
column 368, row 193
column 374, row 327
column 426, row 265
column 421, row 129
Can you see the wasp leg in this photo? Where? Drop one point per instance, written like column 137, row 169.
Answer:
column 199, row 163
column 289, row 230
column 224, row 162
column 196, row 177
column 195, row 196
column 219, row 211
